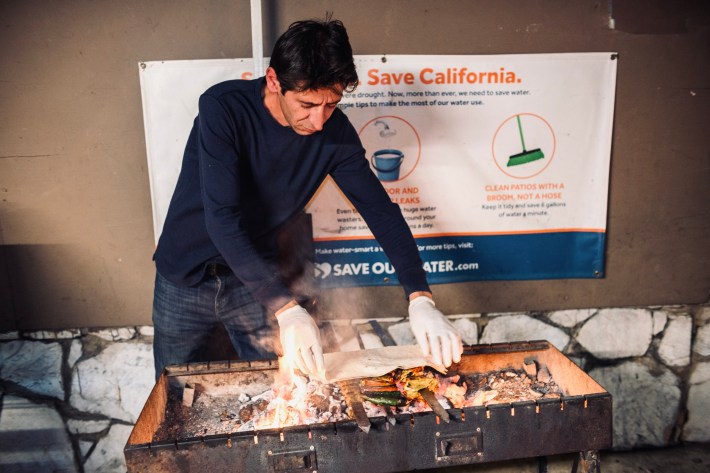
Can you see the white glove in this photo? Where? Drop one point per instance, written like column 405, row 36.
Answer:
column 434, row 333
column 300, row 339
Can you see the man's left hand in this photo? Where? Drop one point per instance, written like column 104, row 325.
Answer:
column 434, row 333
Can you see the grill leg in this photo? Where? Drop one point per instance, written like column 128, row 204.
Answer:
column 542, row 464
column 587, row 462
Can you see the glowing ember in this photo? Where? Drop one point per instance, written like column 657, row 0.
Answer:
column 298, row 401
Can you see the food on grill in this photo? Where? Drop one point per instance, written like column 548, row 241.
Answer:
column 414, row 380
column 383, row 399
column 382, row 391
column 400, row 387
column 403, row 388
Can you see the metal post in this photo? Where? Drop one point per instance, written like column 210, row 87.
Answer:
column 257, row 40
column 542, row 464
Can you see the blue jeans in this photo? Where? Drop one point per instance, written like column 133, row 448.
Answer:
column 185, row 317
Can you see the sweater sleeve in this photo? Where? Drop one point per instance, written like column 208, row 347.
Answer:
column 383, row 217
column 220, row 191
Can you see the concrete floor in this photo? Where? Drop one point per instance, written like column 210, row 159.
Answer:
column 689, row 458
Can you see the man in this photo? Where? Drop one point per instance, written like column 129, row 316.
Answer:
column 256, row 154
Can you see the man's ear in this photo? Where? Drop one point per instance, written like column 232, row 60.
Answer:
column 272, row 82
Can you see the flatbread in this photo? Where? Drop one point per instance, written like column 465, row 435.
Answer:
column 374, row 362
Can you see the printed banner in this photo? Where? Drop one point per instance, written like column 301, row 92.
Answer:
column 499, row 163
column 169, row 93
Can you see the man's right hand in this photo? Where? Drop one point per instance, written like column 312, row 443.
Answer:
column 300, row 339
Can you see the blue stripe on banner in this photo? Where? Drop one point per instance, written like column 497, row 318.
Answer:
column 450, row 259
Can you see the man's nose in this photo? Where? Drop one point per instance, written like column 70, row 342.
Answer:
column 318, row 117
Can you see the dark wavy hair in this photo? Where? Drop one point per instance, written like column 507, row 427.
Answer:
column 314, row 54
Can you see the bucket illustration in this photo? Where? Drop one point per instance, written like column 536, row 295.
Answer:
column 387, row 162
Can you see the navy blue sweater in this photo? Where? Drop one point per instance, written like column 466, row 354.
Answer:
column 244, row 175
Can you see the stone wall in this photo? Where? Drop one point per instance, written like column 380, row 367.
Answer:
column 70, row 398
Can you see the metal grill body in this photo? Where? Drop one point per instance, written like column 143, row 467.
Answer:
column 578, row 422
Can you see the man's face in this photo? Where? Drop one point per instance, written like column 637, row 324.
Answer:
column 305, row 112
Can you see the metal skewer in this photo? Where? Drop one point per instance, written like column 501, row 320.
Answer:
column 435, row 405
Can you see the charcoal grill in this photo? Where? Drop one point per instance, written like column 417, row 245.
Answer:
column 578, row 422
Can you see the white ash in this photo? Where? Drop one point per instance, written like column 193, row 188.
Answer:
column 235, row 411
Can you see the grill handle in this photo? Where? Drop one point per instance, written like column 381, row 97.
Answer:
column 468, row 444
column 295, row 461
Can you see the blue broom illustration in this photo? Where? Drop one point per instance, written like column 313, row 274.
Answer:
column 525, row 156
